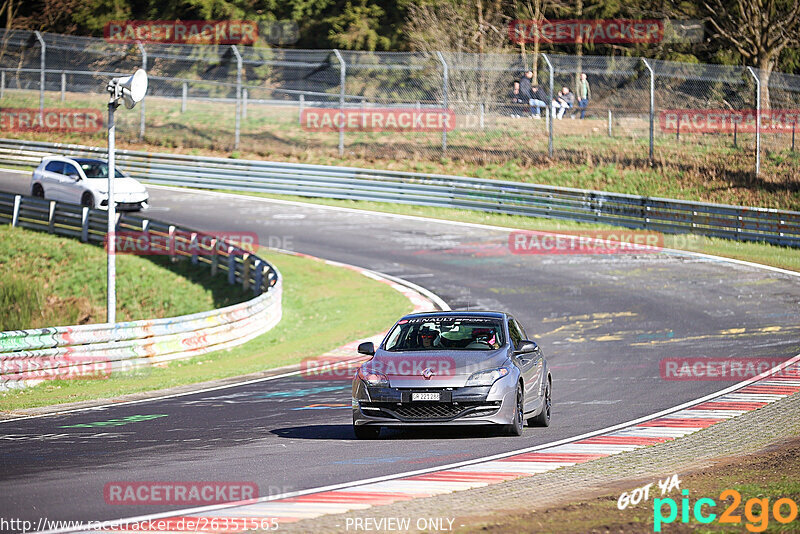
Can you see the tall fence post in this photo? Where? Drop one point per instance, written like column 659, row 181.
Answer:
column 141, row 104
column 238, row 118
column 244, row 103
column 2, row 84
column 445, row 91
column 184, row 94
column 549, row 106
column 42, row 67
column 758, row 119
column 63, row 85
column 302, row 107
column 652, row 105
column 609, row 123
column 342, row 81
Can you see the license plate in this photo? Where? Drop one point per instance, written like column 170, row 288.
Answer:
column 425, row 396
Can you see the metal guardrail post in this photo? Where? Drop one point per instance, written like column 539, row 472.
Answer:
column 214, row 256
column 342, row 81
column 51, row 228
column 652, row 105
column 259, row 277
column 445, row 91
column 231, row 266
column 15, row 213
column 238, row 119
column 549, row 107
column 42, row 67
column 85, row 224
column 193, row 247
column 142, row 103
column 246, row 267
column 171, row 244
column 758, row 119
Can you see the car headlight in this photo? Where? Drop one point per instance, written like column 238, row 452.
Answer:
column 372, row 378
column 488, row 377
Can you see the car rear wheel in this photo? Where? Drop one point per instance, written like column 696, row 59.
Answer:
column 543, row 419
column 367, row 432
column 38, row 191
column 87, row 200
column 515, row 428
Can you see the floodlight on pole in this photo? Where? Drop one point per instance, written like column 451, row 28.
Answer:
column 130, row 90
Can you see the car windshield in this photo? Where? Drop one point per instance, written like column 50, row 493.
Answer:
column 446, row 333
column 98, row 169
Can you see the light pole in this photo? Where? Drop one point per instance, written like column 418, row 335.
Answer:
column 130, row 90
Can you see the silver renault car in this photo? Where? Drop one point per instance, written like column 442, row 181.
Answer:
column 452, row 368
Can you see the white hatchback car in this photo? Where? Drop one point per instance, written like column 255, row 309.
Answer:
column 84, row 181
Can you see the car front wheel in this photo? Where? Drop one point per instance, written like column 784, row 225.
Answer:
column 87, row 200
column 543, row 419
column 515, row 428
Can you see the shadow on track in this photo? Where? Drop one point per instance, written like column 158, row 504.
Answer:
column 345, row 432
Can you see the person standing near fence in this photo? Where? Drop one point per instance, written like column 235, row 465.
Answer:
column 584, row 94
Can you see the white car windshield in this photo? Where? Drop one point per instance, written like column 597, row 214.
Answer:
column 98, row 169
column 446, row 333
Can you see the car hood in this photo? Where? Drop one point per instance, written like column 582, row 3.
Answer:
column 121, row 185
column 449, row 368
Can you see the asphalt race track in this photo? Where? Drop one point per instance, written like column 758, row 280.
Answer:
column 604, row 321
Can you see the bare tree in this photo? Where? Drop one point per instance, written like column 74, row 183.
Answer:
column 473, row 33
column 758, row 29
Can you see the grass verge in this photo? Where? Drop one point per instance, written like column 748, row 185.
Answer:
column 48, row 280
column 771, row 474
column 775, row 256
column 324, row 307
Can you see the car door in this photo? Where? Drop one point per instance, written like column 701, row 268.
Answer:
column 530, row 365
column 50, row 179
column 70, row 184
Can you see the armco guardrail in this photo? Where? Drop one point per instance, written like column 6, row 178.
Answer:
column 657, row 214
column 97, row 350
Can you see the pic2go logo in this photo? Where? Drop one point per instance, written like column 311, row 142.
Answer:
column 784, row 511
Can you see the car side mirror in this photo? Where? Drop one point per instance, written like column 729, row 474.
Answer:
column 527, row 347
column 367, row 348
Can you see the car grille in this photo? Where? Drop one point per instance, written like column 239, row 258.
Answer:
column 432, row 411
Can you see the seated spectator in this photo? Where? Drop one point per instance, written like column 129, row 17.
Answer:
column 562, row 102
column 516, row 101
column 537, row 101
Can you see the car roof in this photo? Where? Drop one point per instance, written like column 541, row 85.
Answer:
column 486, row 314
column 73, row 160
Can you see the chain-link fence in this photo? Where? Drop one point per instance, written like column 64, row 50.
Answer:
column 269, row 101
